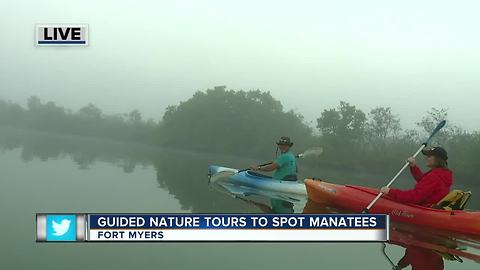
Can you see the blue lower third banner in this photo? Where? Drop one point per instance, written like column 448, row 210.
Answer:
column 213, row 227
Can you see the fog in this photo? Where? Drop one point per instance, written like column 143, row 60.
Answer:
column 408, row 55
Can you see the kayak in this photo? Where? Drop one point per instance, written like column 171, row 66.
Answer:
column 256, row 180
column 356, row 198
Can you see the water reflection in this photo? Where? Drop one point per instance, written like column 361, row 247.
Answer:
column 183, row 174
column 85, row 152
column 263, row 200
column 421, row 241
column 425, row 248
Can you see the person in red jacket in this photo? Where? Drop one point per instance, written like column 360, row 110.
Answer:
column 431, row 186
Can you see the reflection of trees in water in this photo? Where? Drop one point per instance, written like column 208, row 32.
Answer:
column 182, row 173
column 185, row 176
column 8, row 140
column 85, row 152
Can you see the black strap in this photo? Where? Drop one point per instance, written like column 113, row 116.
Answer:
column 291, row 177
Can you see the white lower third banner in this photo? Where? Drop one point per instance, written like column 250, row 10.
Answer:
column 240, row 235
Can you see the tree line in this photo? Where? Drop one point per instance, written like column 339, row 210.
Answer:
column 87, row 121
column 247, row 123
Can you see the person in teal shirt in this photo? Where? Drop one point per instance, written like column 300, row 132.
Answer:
column 285, row 165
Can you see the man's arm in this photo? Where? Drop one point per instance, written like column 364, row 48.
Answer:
column 279, row 162
column 268, row 168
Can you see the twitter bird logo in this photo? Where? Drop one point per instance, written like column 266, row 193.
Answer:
column 61, row 228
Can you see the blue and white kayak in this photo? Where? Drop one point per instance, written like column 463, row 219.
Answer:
column 255, row 180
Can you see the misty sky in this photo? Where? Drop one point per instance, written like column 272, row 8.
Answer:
column 410, row 55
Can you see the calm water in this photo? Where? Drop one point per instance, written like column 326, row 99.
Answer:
column 50, row 173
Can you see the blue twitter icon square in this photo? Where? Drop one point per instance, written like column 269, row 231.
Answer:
column 61, row 228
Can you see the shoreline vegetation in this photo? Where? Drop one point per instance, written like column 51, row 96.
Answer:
column 246, row 123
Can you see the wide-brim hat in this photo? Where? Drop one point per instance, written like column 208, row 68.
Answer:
column 285, row 141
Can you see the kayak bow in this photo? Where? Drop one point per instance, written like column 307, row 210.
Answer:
column 255, row 180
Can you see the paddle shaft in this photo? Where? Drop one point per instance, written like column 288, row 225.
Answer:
column 393, row 179
column 265, row 164
column 435, row 131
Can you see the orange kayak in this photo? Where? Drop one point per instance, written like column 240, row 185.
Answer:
column 354, row 199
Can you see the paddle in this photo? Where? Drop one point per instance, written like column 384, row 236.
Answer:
column 439, row 126
column 313, row 151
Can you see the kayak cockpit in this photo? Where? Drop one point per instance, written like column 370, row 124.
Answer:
column 256, row 174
